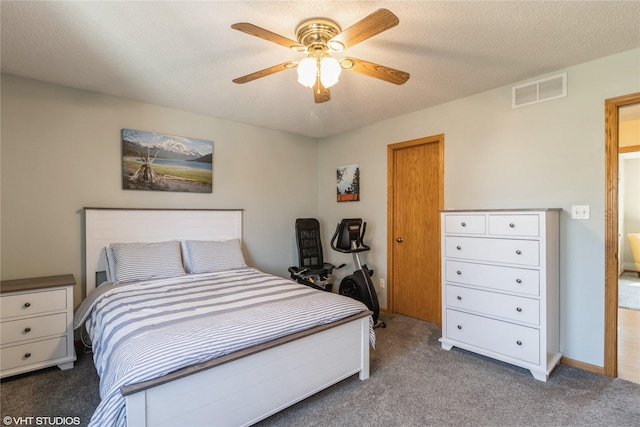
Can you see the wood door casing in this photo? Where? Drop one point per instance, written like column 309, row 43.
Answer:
column 611, row 231
column 415, row 198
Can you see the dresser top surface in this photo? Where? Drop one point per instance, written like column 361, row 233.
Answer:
column 36, row 283
column 501, row 210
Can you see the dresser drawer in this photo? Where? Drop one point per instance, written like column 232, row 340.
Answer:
column 519, row 342
column 508, row 251
column 31, row 353
column 33, row 328
column 30, row 303
column 465, row 224
column 509, row 307
column 508, row 279
column 514, row 225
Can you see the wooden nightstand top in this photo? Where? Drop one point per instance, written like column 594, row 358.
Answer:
column 37, row 283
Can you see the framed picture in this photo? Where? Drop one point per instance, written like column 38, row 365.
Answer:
column 348, row 183
column 156, row 162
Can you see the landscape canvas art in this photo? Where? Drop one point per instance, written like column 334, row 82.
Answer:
column 348, row 183
column 156, row 162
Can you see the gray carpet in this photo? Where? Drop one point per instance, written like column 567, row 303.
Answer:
column 629, row 290
column 414, row 382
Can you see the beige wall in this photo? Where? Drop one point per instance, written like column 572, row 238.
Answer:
column 549, row 154
column 61, row 151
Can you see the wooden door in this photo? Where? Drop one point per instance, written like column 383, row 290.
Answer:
column 415, row 198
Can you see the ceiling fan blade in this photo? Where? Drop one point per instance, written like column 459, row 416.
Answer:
column 374, row 70
column 320, row 93
column 265, row 72
column 254, row 30
column 379, row 21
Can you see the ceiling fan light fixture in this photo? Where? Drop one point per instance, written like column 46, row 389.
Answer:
column 329, row 71
column 307, row 72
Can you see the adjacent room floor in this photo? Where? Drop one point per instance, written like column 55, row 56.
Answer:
column 629, row 327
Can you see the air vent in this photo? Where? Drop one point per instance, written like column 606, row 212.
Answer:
column 539, row 91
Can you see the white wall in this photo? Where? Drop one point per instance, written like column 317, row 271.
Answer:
column 545, row 155
column 61, row 151
column 631, row 214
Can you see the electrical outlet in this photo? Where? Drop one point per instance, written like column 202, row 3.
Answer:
column 580, row 212
column 382, row 284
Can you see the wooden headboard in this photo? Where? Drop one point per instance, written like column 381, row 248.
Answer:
column 104, row 226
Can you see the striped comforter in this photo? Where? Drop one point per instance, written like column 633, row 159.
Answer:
column 145, row 330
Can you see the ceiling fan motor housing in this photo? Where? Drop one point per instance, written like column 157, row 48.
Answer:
column 315, row 34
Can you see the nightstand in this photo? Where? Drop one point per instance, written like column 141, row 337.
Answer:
column 36, row 324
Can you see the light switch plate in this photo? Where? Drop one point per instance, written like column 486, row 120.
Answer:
column 580, row 212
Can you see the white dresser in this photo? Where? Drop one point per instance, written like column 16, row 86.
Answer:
column 500, row 285
column 36, row 324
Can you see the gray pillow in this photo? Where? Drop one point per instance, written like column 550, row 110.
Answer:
column 145, row 261
column 213, row 255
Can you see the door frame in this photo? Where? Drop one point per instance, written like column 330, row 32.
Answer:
column 611, row 230
column 391, row 149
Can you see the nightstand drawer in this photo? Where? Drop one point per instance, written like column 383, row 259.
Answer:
column 31, row 353
column 511, row 340
column 465, row 224
column 30, row 303
column 514, row 225
column 510, row 279
column 509, row 251
column 33, row 328
column 509, row 307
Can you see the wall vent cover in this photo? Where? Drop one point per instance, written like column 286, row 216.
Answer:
column 539, row 91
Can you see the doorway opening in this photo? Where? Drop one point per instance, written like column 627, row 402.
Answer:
column 613, row 242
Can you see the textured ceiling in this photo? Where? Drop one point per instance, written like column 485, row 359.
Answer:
column 184, row 54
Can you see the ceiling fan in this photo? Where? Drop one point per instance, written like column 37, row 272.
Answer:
column 318, row 38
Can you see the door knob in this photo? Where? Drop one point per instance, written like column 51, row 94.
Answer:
column 399, row 240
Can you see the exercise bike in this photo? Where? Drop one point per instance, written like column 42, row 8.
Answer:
column 348, row 239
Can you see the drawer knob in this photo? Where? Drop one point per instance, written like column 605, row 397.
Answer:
column 459, row 298
column 458, row 272
column 27, row 330
column 464, row 224
column 518, row 309
column 27, row 305
column 512, row 225
column 27, row 355
column 518, row 280
column 399, row 240
column 519, row 252
column 459, row 326
column 519, row 342
column 458, row 247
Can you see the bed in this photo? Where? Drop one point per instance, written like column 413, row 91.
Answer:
column 257, row 376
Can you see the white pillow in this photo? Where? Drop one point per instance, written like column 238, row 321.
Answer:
column 145, row 261
column 213, row 255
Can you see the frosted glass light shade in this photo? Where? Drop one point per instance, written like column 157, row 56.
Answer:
column 329, row 71
column 307, row 70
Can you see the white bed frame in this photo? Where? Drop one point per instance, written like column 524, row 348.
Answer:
column 239, row 389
